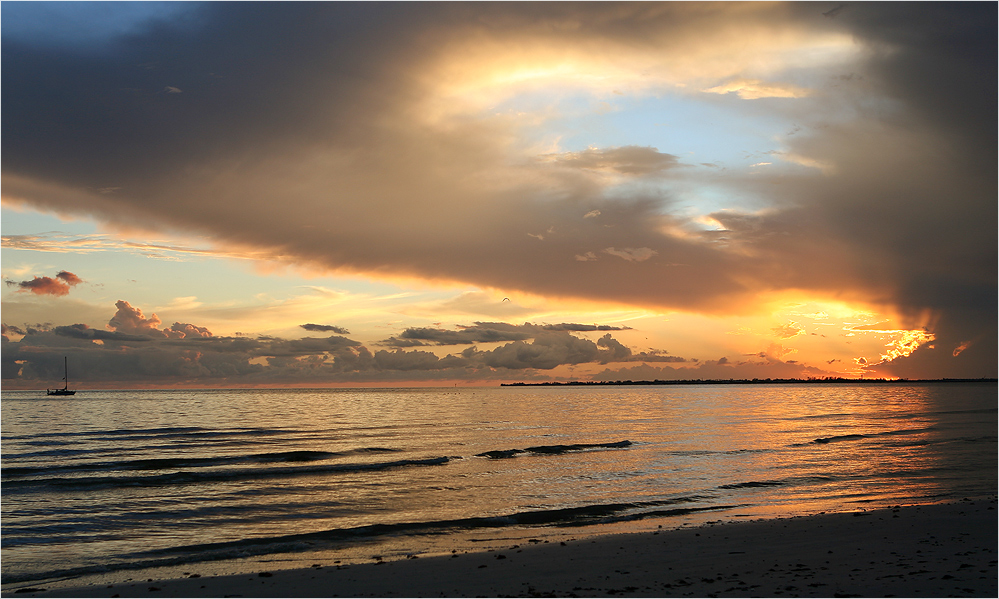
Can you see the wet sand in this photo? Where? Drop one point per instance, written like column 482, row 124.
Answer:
column 918, row 551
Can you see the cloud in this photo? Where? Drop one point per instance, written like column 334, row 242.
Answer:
column 478, row 333
column 400, row 154
column 627, row 160
column 960, row 348
column 569, row 326
column 82, row 331
column 161, row 250
column 58, row 286
column 131, row 321
column 714, row 370
column 753, row 89
column 484, row 332
column 632, row 254
column 190, row 330
column 13, row 329
column 325, row 328
column 787, row 331
column 135, row 349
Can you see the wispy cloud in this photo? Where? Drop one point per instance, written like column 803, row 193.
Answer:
column 632, row 254
column 754, row 89
column 61, row 243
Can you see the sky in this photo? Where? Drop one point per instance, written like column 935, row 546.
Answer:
column 325, row 194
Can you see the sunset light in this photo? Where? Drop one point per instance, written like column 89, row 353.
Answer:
column 499, row 299
column 676, row 175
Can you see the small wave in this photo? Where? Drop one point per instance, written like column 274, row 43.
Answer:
column 551, row 449
column 838, row 438
column 179, row 478
column 857, row 436
column 192, row 462
column 133, row 431
column 134, row 434
column 570, row 516
column 753, row 484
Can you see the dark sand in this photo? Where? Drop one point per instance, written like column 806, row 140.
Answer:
column 919, row 551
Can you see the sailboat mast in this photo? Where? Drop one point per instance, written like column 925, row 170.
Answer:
column 65, row 363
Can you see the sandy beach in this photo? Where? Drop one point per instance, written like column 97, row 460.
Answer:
column 917, row 551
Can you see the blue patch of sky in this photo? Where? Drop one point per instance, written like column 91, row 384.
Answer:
column 700, row 129
column 693, row 128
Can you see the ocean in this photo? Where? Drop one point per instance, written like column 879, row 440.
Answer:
column 107, row 485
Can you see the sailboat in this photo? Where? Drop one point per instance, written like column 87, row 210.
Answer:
column 65, row 390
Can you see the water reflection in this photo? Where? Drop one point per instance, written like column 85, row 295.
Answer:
column 768, row 449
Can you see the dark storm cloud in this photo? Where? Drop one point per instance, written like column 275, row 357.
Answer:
column 928, row 217
column 321, row 114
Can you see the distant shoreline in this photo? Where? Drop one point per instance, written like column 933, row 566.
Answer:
column 829, row 380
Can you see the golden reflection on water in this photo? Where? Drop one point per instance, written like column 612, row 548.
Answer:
column 768, row 450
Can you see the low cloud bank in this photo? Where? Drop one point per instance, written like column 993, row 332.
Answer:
column 136, row 349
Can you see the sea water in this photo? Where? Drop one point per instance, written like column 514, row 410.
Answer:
column 111, row 482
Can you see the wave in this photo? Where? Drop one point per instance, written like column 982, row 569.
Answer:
column 754, row 484
column 858, row 436
column 551, row 449
column 838, row 438
column 192, row 462
column 164, row 433
column 198, row 468
column 562, row 517
column 161, row 431
column 242, row 474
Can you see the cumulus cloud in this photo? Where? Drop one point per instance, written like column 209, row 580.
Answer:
column 392, row 142
column 131, row 321
column 58, row 286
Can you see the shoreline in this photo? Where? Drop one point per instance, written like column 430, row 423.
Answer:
column 924, row 550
